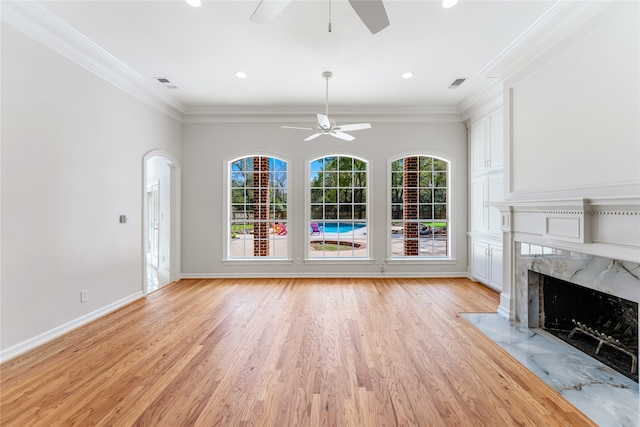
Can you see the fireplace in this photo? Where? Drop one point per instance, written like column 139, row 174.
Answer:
column 602, row 325
column 586, row 281
column 592, row 243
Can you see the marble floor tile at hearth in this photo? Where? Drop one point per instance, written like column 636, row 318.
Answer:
column 604, row 395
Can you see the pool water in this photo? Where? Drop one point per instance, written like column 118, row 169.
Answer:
column 342, row 227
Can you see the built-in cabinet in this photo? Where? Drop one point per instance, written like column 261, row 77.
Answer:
column 486, row 189
column 486, row 262
column 486, row 185
column 487, row 147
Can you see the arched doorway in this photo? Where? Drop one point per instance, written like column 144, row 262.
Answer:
column 161, row 216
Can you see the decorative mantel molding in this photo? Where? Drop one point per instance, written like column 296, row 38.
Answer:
column 598, row 226
column 607, row 227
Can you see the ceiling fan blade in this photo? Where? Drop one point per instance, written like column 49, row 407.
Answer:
column 358, row 126
column 372, row 13
column 294, row 127
column 342, row 135
column 323, row 121
column 268, row 9
column 314, row 136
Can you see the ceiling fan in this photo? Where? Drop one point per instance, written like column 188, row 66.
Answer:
column 329, row 127
column 371, row 12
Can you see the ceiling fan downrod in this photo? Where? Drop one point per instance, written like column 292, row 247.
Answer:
column 327, row 75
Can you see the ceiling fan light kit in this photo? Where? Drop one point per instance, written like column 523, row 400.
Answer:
column 327, row 126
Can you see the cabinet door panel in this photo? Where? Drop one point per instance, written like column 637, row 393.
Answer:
column 495, row 193
column 479, row 146
column 496, row 137
column 479, row 260
column 478, row 199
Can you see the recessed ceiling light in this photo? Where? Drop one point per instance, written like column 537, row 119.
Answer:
column 407, row 75
column 194, row 3
column 449, row 3
column 241, row 75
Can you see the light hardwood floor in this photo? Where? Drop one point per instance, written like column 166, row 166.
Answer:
column 284, row 352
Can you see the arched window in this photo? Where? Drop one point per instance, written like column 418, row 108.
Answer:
column 338, row 208
column 419, row 207
column 258, row 208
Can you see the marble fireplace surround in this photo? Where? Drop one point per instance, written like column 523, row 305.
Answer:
column 591, row 242
column 611, row 276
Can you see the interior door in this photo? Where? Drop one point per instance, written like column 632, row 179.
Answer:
column 153, row 222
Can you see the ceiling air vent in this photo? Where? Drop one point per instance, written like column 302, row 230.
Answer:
column 457, row 82
column 166, row 83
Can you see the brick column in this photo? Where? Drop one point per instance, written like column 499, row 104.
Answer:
column 410, row 206
column 261, row 206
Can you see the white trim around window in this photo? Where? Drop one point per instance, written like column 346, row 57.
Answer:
column 228, row 259
column 340, row 218
column 451, row 218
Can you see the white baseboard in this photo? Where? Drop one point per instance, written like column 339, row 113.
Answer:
column 417, row 275
column 58, row 331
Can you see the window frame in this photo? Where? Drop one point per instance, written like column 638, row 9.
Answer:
column 450, row 206
column 342, row 260
column 227, row 217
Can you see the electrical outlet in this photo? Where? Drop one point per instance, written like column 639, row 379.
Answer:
column 298, row 261
column 84, row 295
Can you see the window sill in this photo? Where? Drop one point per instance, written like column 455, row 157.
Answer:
column 256, row 261
column 339, row 261
column 421, row 261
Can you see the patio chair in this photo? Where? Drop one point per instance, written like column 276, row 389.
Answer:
column 315, row 229
column 426, row 230
column 281, row 229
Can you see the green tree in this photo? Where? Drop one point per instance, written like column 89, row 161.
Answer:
column 340, row 180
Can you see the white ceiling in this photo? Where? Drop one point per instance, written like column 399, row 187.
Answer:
column 199, row 49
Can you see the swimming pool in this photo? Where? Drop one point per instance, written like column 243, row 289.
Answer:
column 340, row 227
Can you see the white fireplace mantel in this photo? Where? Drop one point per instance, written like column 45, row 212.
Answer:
column 601, row 227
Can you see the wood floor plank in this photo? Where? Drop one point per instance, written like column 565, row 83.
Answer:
column 284, row 352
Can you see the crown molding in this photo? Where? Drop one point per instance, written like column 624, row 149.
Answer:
column 483, row 101
column 302, row 114
column 558, row 27
column 35, row 21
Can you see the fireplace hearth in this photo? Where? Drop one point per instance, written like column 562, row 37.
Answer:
column 602, row 325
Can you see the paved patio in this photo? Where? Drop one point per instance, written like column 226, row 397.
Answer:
column 242, row 245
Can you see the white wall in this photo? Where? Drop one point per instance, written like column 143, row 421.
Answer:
column 207, row 144
column 72, row 150
column 574, row 120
